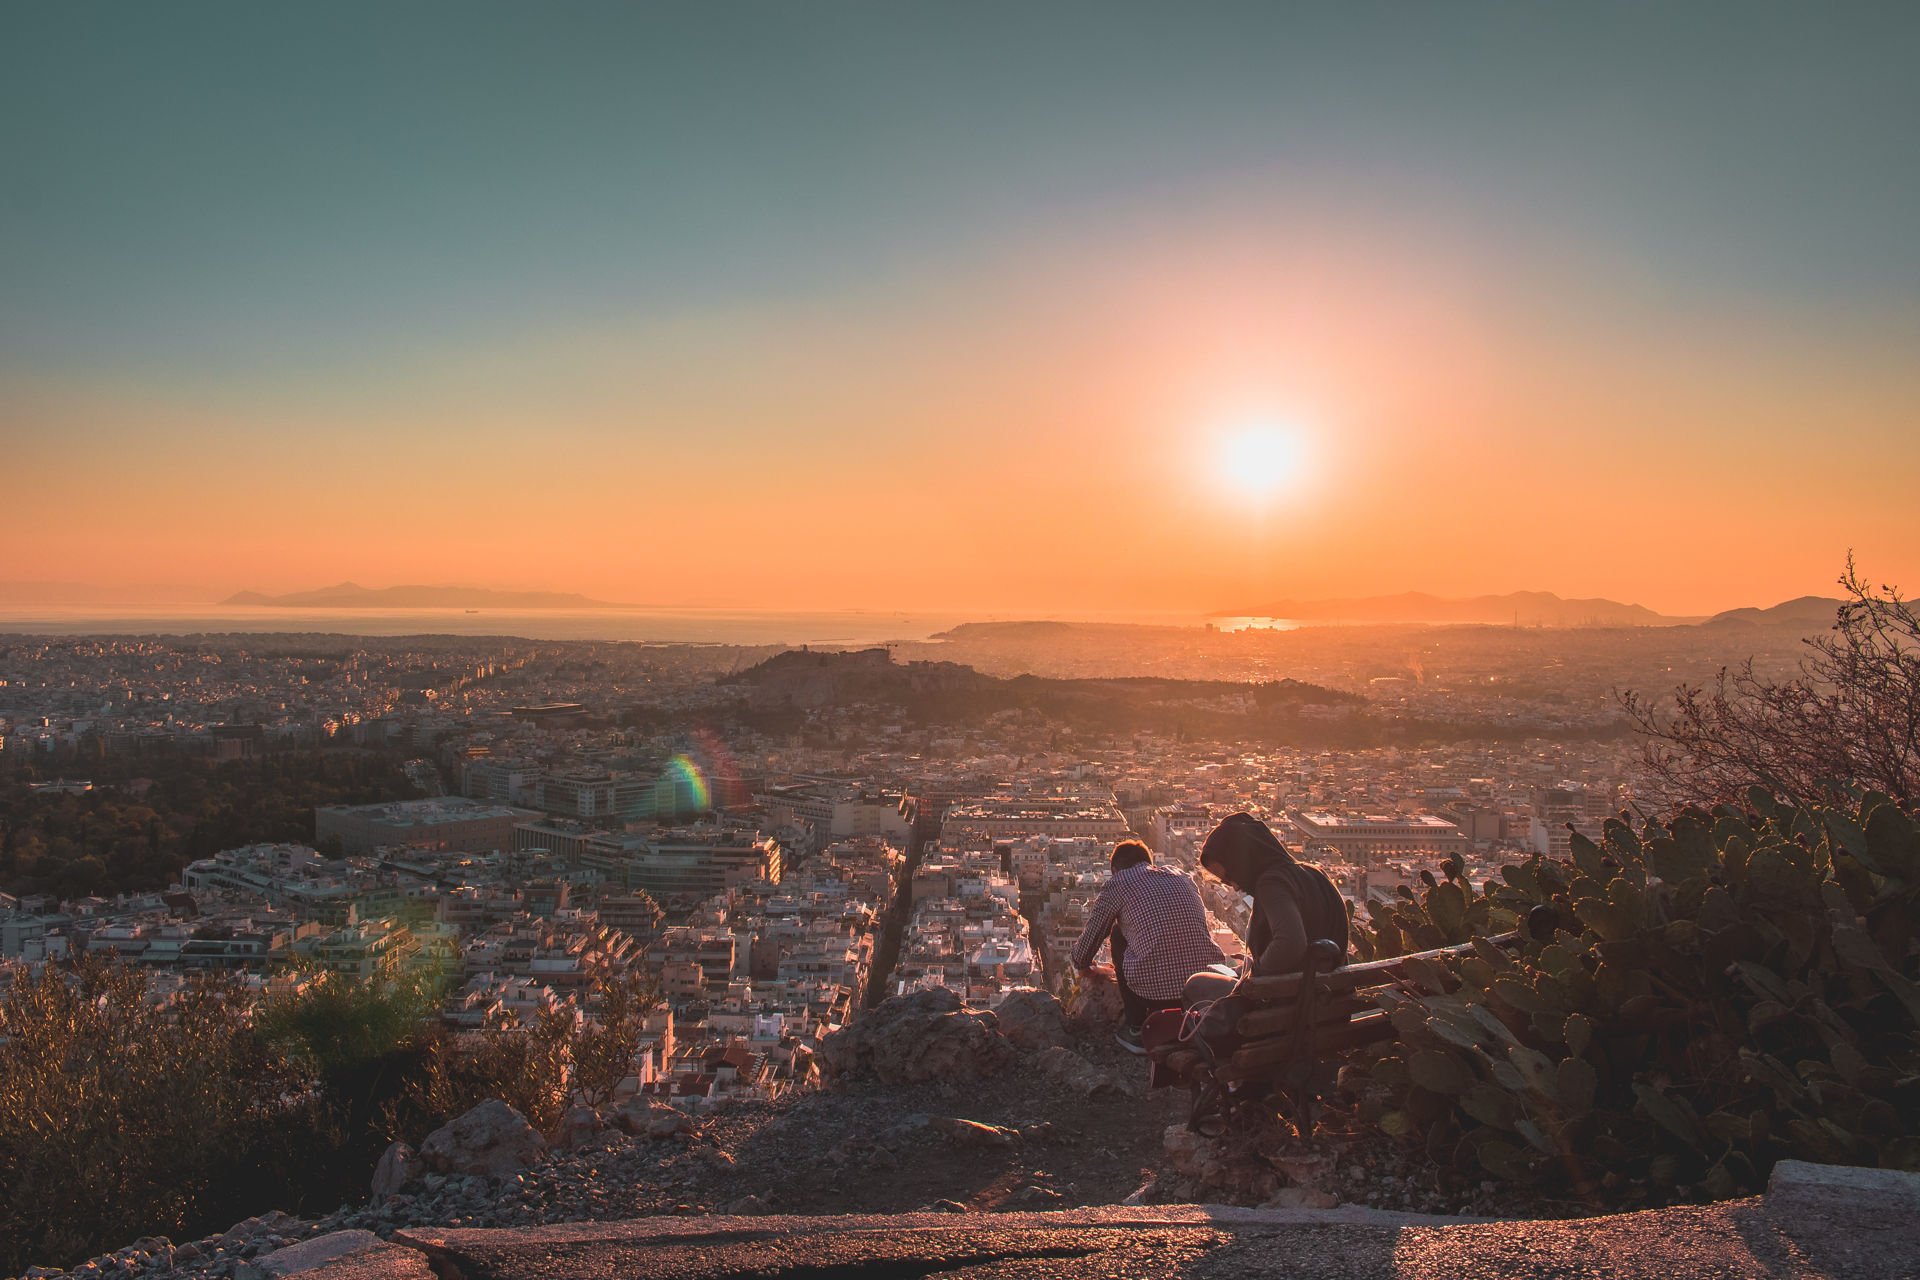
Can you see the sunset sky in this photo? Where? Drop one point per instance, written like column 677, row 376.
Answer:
column 963, row 306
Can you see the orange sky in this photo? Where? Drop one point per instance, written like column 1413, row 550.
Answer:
column 1035, row 433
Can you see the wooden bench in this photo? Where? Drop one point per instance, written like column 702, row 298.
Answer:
column 1284, row 1043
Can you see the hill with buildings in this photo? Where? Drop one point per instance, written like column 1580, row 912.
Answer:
column 948, row 692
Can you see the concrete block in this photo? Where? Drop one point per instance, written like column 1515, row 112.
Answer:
column 1836, row 1190
column 340, row 1255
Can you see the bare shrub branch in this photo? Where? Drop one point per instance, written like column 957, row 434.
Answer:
column 1851, row 714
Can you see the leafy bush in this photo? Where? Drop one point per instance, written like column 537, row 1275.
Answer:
column 1695, row 1001
column 365, row 1043
column 525, row 1066
column 119, row 1116
column 335, row 1021
column 122, row 1114
column 537, row 1068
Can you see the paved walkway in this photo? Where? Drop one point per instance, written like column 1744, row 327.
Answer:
column 1816, row 1222
column 1737, row 1240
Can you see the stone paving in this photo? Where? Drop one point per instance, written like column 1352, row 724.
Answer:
column 1815, row 1223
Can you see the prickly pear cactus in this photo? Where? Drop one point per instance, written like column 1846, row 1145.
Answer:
column 1695, row 1001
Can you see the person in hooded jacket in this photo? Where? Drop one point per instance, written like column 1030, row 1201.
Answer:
column 1294, row 903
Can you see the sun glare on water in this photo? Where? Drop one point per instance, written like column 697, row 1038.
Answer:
column 1261, row 459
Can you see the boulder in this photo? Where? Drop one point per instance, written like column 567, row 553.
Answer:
column 652, row 1118
column 1069, row 1070
column 579, row 1127
column 669, row 1123
column 1031, row 1019
column 398, row 1166
column 492, row 1140
column 1219, row 1170
column 1094, row 1002
column 929, row 1035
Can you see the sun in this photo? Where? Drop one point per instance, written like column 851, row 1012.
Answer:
column 1261, row 459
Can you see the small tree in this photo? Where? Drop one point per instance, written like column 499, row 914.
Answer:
column 1852, row 714
column 525, row 1065
column 604, row 1048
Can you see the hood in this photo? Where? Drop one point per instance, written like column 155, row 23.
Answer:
column 1242, row 849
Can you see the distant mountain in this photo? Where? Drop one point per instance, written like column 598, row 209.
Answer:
column 1814, row 612
column 350, row 595
column 1519, row 608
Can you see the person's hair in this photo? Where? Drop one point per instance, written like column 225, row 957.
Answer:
column 1129, row 853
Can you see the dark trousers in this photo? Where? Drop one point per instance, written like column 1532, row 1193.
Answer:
column 1136, row 1005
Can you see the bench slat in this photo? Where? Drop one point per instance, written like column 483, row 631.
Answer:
column 1371, row 973
column 1271, row 1019
column 1278, row 1051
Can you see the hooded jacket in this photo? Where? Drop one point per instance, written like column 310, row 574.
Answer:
column 1293, row 904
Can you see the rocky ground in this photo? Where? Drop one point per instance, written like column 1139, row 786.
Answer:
column 930, row 1106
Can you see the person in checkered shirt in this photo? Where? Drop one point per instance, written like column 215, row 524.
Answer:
column 1157, row 927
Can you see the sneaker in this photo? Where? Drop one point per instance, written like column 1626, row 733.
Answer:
column 1128, row 1038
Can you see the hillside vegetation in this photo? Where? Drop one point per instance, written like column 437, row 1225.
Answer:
column 1714, row 993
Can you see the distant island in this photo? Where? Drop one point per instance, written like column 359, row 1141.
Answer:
column 1518, row 608
column 350, row 595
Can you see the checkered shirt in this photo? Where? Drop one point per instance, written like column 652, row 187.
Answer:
column 1160, row 914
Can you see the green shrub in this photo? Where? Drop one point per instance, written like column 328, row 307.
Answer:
column 366, row 1043
column 336, row 1022
column 1696, row 1001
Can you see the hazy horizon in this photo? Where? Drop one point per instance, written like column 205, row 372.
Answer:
column 81, row 599
column 989, row 308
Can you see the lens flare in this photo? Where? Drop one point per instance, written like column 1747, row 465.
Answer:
column 689, row 784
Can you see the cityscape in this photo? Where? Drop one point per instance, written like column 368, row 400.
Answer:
column 983, row 640
column 772, row 845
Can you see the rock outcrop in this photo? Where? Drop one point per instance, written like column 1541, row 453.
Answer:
column 651, row 1118
column 1094, row 1003
column 1069, row 1070
column 929, row 1035
column 1218, row 1170
column 1031, row 1019
column 491, row 1140
column 399, row 1165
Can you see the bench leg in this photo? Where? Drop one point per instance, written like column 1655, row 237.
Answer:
column 1208, row 1114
